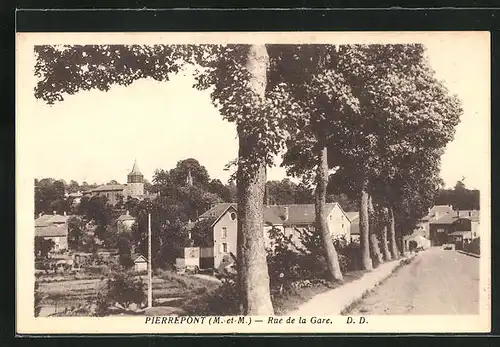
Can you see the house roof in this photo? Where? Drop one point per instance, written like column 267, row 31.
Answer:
column 218, row 210
column 51, row 231
column 446, row 219
column 125, row 217
column 297, row 214
column 109, row 187
column 43, row 220
column 352, row 216
column 48, row 219
column 138, row 258
column 438, row 209
column 273, row 214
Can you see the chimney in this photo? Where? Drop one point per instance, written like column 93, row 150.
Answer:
column 285, row 213
column 127, row 213
column 65, row 213
column 458, row 213
column 40, row 214
column 53, row 212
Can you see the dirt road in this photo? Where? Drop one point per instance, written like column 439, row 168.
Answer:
column 436, row 282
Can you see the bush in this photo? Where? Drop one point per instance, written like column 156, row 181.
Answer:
column 222, row 301
column 288, row 263
column 122, row 288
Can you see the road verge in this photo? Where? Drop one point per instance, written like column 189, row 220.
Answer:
column 469, row 254
column 337, row 301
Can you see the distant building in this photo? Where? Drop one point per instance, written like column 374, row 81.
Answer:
column 289, row 219
column 53, row 227
column 124, row 222
column 435, row 213
column 140, row 263
column 114, row 192
column 418, row 240
column 76, row 197
column 292, row 220
column 459, row 227
column 354, row 219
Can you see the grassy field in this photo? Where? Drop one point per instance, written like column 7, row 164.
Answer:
column 169, row 288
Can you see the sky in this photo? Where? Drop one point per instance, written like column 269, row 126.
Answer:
column 95, row 136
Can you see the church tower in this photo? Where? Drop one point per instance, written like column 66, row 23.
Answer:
column 135, row 182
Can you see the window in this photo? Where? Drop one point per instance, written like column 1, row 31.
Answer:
column 342, row 226
column 474, row 234
column 233, row 216
column 440, row 230
column 224, row 247
column 224, row 233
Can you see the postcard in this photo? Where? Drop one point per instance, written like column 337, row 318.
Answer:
column 253, row 182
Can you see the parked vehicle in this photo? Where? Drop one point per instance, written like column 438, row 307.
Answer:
column 449, row 247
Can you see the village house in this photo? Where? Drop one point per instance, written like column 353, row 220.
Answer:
column 421, row 234
column 289, row 219
column 124, row 222
column 53, row 227
column 458, row 227
column 140, row 263
column 435, row 213
column 75, row 197
column 354, row 231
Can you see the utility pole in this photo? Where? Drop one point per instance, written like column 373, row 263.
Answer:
column 150, row 277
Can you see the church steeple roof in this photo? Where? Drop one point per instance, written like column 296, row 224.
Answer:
column 135, row 170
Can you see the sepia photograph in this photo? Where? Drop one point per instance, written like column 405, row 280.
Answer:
column 253, row 182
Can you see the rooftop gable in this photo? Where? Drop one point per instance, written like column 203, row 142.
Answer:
column 138, row 258
column 49, row 219
column 217, row 211
column 298, row 214
column 352, row 216
column 109, row 187
column 446, row 219
column 51, row 231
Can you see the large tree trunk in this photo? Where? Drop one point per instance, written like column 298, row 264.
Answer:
column 392, row 235
column 332, row 259
column 375, row 249
column 253, row 275
column 363, row 228
column 383, row 236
